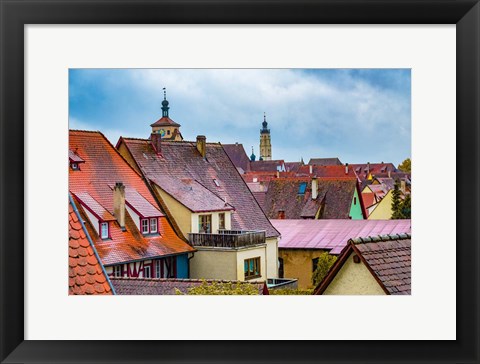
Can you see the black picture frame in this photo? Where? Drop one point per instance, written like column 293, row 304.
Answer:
column 15, row 14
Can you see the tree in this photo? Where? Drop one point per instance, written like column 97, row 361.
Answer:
column 325, row 262
column 406, row 207
column 396, row 202
column 406, row 165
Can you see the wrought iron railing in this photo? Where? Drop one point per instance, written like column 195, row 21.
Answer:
column 227, row 239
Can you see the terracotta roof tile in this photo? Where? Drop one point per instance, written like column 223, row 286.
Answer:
column 164, row 286
column 165, row 121
column 103, row 167
column 325, row 162
column 390, row 259
column 333, row 202
column 181, row 160
column 82, row 276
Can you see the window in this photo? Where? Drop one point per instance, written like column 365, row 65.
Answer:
column 118, row 271
column 104, row 230
column 252, row 268
column 158, row 269
column 153, row 225
column 354, row 200
column 205, row 224
column 75, row 166
column 168, row 132
column 147, row 273
column 281, row 214
column 145, row 226
column 221, row 220
column 302, row 188
column 216, row 183
column 314, row 264
column 280, row 268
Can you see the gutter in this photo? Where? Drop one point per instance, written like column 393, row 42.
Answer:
column 91, row 242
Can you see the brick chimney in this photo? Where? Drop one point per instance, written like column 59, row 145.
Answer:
column 346, row 168
column 368, row 168
column 156, row 140
column 314, row 188
column 202, row 145
column 119, row 203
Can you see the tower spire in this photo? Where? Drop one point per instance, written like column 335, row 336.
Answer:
column 165, row 104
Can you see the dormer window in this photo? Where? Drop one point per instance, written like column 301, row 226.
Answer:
column 216, row 183
column 145, row 229
column 104, row 233
column 74, row 166
column 74, row 160
column 153, row 225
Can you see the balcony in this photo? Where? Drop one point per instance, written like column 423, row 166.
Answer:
column 232, row 239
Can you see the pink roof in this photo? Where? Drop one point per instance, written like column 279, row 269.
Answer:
column 140, row 204
column 333, row 235
column 94, row 206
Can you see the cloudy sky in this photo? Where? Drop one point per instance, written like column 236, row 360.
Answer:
column 357, row 115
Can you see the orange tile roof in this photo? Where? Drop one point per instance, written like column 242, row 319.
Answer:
column 165, row 121
column 86, row 275
column 103, row 167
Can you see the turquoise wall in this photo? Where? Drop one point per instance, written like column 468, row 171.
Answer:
column 182, row 266
column 356, row 208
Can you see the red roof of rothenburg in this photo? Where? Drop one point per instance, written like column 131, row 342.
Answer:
column 85, row 273
column 165, row 121
column 333, row 235
column 180, row 161
column 103, row 167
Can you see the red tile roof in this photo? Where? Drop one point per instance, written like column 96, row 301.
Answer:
column 140, row 204
column 86, row 275
column 387, row 257
column 325, row 171
column 74, row 157
column 181, row 160
column 368, row 199
column 325, row 162
column 335, row 197
column 292, row 166
column 267, row 166
column 167, row 286
column 103, row 167
column 237, row 155
column 192, row 194
column 165, row 121
column 94, row 206
column 333, row 235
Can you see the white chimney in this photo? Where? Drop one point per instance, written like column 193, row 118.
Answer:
column 310, row 168
column 314, row 188
column 346, row 168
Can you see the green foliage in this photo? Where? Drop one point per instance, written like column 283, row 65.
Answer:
column 290, row 291
column 222, row 288
column 406, row 165
column 400, row 209
column 325, row 262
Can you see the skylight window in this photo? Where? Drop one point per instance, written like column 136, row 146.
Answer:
column 302, row 188
column 216, row 183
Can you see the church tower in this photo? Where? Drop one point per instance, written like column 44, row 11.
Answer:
column 265, row 144
column 166, row 127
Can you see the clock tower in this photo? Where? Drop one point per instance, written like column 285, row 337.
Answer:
column 265, row 144
column 166, row 127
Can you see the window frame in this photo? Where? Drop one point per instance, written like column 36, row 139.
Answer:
column 153, row 219
column 200, row 224
column 104, row 223
column 221, row 217
column 250, row 274
column 148, row 226
column 145, row 268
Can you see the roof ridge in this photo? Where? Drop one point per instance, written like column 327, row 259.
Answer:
column 379, row 238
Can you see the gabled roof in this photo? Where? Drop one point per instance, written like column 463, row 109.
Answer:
column 293, row 166
column 335, row 197
column 267, row 166
column 86, row 274
column 325, row 162
column 168, row 286
column 237, row 155
column 181, row 160
column 74, row 157
column 104, row 166
column 165, row 121
column 387, row 257
column 333, row 235
column 325, row 171
column 192, row 194
column 94, row 206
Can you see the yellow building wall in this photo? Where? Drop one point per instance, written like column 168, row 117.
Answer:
column 214, row 264
column 383, row 211
column 354, row 279
column 215, row 221
column 122, row 149
column 297, row 263
column 272, row 258
column 247, row 253
column 179, row 212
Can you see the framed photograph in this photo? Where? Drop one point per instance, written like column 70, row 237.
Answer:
column 63, row 43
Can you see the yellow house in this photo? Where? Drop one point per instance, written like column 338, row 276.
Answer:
column 382, row 210
column 378, row 265
column 210, row 205
column 304, row 240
